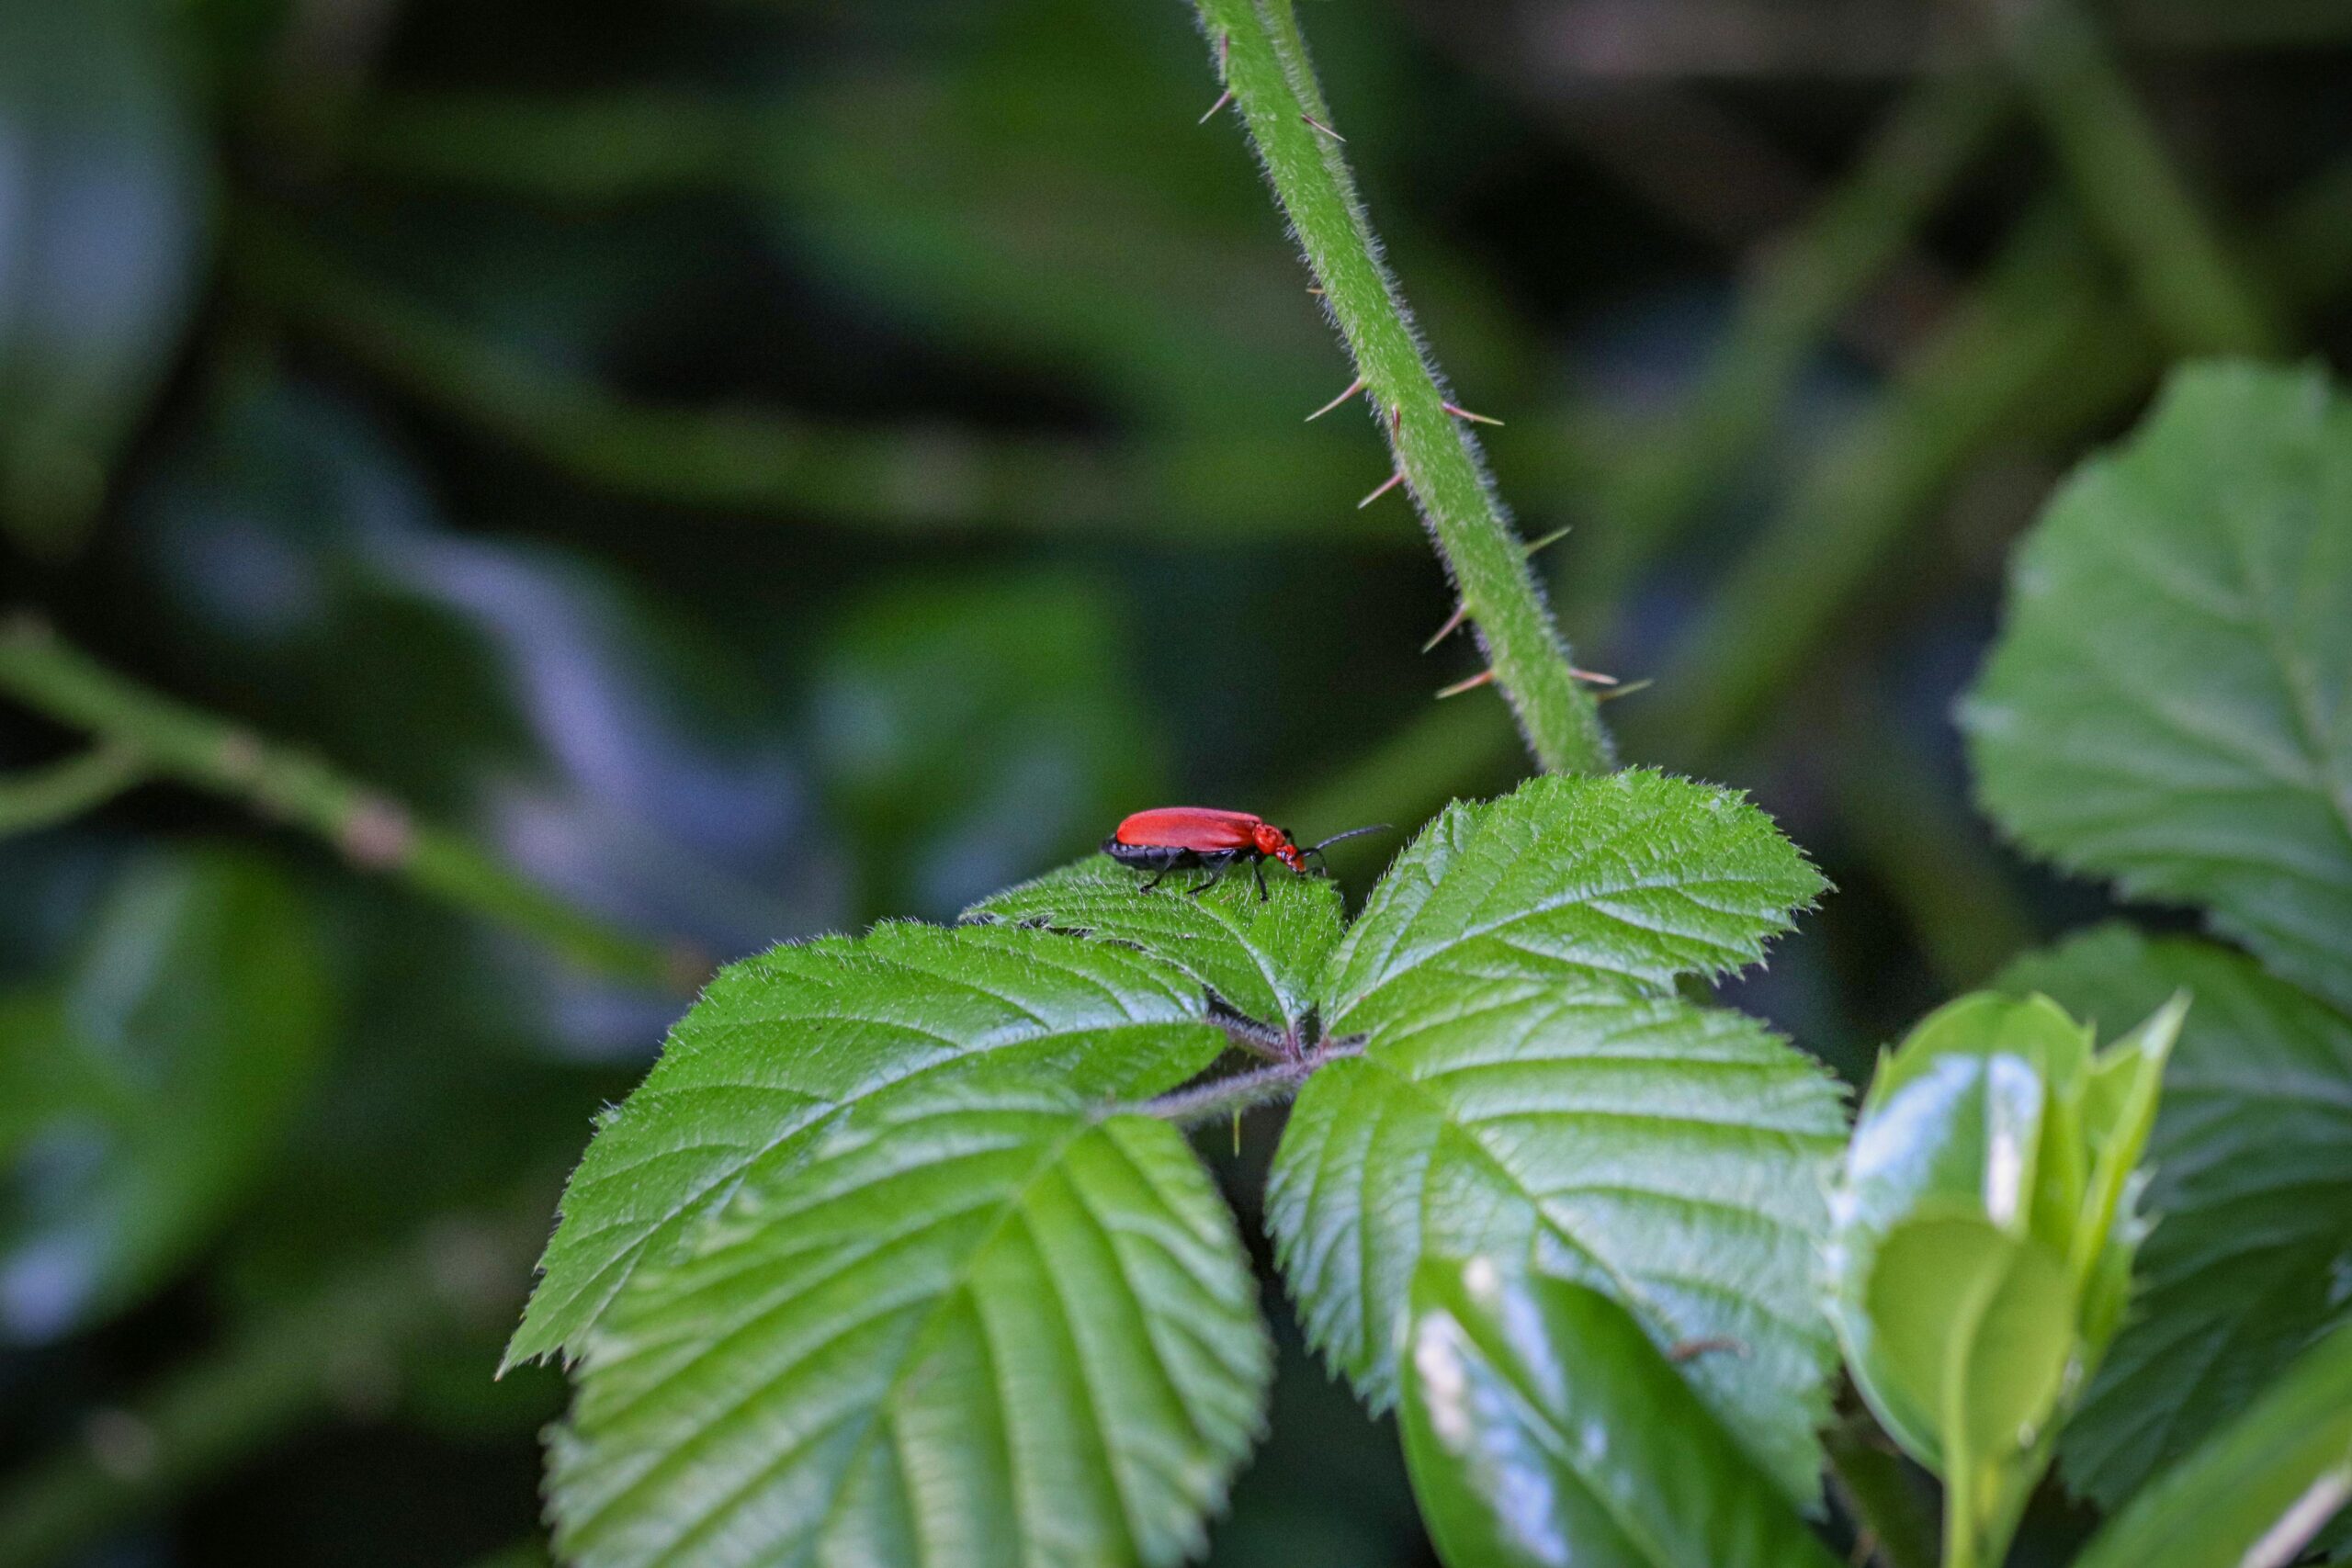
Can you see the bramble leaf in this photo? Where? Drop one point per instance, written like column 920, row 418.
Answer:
column 1632, row 879
column 2251, row 1257
column 780, row 1044
column 2256, row 1492
column 979, row 1324
column 1508, row 1377
column 1261, row 959
column 1669, row 1156
column 2170, row 704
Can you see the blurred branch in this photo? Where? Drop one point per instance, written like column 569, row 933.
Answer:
column 1613, row 41
column 339, row 1347
column 1926, row 851
column 373, row 831
column 2040, row 315
column 2042, row 354
column 2179, row 267
column 1263, row 59
column 1802, row 286
column 42, row 797
column 911, row 479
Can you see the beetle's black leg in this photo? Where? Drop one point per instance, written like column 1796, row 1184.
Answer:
column 1156, row 880
column 1217, row 866
column 1259, row 867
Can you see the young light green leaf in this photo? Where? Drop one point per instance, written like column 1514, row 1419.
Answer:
column 139, row 1103
column 780, row 1043
column 1980, row 1229
column 1508, row 1378
column 1669, row 1156
column 1634, row 878
column 2168, row 704
column 1972, row 1327
column 1261, row 959
column 2252, row 1160
column 980, row 1325
column 2256, row 1493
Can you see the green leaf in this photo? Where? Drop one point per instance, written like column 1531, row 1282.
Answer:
column 1669, row 1156
column 1634, row 878
column 2252, row 1183
column 977, row 1324
column 780, row 1043
column 1511, row 1380
column 1974, row 1327
column 1263, row 959
column 2252, row 1494
column 141, row 1099
column 105, row 191
column 2167, row 706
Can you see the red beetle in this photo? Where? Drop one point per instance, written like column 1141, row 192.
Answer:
column 1177, row 837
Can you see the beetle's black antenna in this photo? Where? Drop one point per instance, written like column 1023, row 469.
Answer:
column 1350, row 833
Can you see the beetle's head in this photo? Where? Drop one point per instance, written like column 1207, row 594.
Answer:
column 1276, row 842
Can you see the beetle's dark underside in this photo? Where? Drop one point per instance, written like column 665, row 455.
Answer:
column 1163, row 859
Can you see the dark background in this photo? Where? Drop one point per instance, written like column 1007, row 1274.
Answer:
column 760, row 466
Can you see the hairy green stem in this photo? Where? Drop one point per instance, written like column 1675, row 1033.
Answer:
column 2115, row 158
column 43, row 797
column 337, row 1348
column 1257, row 47
column 211, row 753
column 1230, row 1096
column 1767, row 620
column 914, row 479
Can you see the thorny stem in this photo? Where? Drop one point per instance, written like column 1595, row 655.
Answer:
column 1220, row 1098
column 1266, row 68
column 174, row 741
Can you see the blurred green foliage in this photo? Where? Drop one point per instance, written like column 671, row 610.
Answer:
column 754, row 466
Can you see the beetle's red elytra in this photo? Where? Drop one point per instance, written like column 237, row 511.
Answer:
column 1181, row 838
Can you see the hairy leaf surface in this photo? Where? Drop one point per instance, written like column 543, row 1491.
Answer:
column 2251, row 1256
column 1670, row 1156
column 981, row 1325
column 1509, row 1379
column 1633, row 878
column 779, row 1045
column 1261, row 959
column 2171, row 702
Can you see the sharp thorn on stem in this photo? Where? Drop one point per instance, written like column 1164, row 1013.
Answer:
column 1548, row 540
column 1595, row 676
column 1453, row 625
column 1222, row 98
column 1391, row 482
column 1323, row 127
column 1483, row 678
column 1315, row 289
column 1624, row 691
column 1458, row 411
column 1353, row 388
